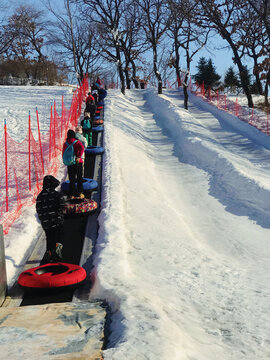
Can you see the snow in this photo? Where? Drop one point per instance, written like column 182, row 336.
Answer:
column 16, row 103
column 183, row 250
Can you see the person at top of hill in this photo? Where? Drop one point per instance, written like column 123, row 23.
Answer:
column 96, row 85
column 49, row 207
column 95, row 89
column 75, row 170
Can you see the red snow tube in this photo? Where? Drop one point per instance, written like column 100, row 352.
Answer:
column 55, row 275
column 78, row 206
column 98, row 122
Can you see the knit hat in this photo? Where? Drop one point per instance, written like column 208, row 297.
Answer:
column 50, row 182
column 70, row 134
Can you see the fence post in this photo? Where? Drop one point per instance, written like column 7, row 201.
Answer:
column 62, row 117
column 267, row 122
column 29, row 149
column 252, row 114
column 6, row 163
column 40, row 145
column 236, row 107
column 54, row 127
column 50, row 139
column 3, row 274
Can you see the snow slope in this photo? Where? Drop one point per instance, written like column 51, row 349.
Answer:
column 184, row 241
column 183, row 249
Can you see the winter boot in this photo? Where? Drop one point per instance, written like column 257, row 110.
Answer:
column 57, row 253
column 46, row 258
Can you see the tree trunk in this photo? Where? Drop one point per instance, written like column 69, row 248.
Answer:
column 244, row 82
column 267, row 82
column 120, row 69
column 72, row 39
column 177, row 61
column 157, row 73
column 134, row 77
column 122, row 79
column 226, row 35
column 259, row 84
column 127, row 78
column 185, row 86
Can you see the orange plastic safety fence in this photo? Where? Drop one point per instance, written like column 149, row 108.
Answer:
column 25, row 163
column 255, row 118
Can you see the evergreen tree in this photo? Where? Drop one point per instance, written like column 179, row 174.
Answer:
column 201, row 75
column 213, row 77
column 231, row 79
column 207, row 74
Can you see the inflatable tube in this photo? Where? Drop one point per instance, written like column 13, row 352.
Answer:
column 55, row 275
column 88, row 185
column 80, row 206
column 98, row 122
column 98, row 128
column 100, row 107
column 94, row 150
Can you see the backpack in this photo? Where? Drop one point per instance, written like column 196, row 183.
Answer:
column 69, row 157
column 86, row 124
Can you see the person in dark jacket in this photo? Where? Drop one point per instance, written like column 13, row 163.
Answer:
column 75, row 171
column 102, row 93
column 90, row 108
column 49, row 206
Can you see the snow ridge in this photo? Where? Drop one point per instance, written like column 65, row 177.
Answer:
column 246, row 195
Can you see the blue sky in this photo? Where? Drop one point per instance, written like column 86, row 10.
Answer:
column 217, row 49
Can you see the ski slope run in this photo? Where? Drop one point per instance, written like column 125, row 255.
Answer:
column 183, row 248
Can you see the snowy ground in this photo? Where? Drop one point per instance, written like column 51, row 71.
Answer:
column 183, row 249
column 16, row 102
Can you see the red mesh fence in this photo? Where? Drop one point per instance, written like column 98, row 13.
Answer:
column 258, row 119
column 25, row 164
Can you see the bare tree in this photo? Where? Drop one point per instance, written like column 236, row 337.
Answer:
column 185, row 32
column 26, row 32
column 262, row 9
column 73, row 38
column 155, row 23
column 132, row 42
column 224, row 18
column 4, row 39
column 251, row 40
column 107, row 15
